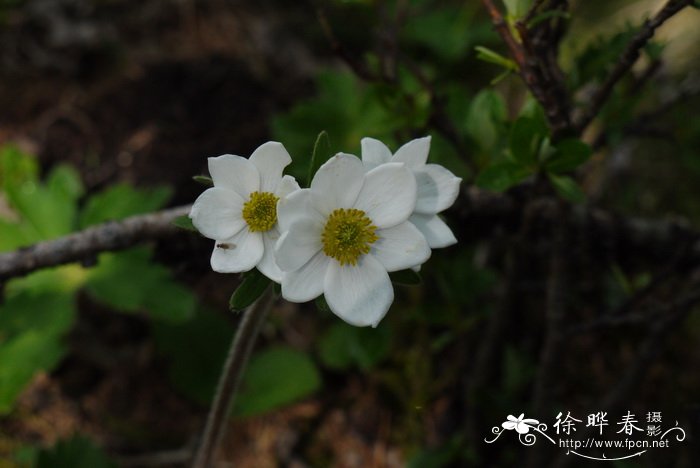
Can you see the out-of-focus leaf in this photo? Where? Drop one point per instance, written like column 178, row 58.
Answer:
column 77, row 452
column 569, row 155
column 524, row 140
column 251, row 288
column 276, row 377
column 21, row 358
column 567, row 188
column 195, row 350
column 486, row 118
column 502, row 175
column 517, row 8
column 130, row 281
column 120, row 201
column 343, row 346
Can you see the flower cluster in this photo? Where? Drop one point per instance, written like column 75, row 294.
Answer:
column 360, row 220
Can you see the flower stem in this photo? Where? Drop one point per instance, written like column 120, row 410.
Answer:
column 235, row 364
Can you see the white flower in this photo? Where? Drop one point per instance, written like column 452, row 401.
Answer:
column 240, row 211
column 522, row 426
column 344, row 234
column 437, row 187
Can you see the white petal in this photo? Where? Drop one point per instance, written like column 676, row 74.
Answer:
column 241, row 252
column 374, row 153
column 217, row 213
column 400, row 247
column 361, row 294
column 234, row 173
column 270, row 159
column 295, row 206
column 508, row 425
column 337, row 183
column 306, row 283
column 414, row 153
column 297, row 245
column 287, row 185
column 268, row 265
column 436, row 232
column 437, row 189
column 388, row 195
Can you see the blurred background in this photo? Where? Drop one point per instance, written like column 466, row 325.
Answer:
column 109, row 107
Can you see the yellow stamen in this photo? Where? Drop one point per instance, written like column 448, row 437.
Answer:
column 260, row 212
column 348, row 235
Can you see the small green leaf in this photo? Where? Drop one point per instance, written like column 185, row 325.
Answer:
column 276, row 377
column 406, row 277
column 524, row 140
column 204, row 180
column 488, row 55
column 486, row 118
column 320, row 154
column 251, row 288
column 502, row 176
column 322, row 305
column 517, row 8
column 184, row 222
column 567, row 188
column 120, row 201
column 569, row 155
column 77, row 452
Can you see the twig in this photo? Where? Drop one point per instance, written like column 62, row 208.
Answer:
column 83, row 245
column 628, row 57
column 538, row 69
column 235, row 365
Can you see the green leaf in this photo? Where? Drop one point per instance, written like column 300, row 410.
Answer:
column 251, row 288
column 567, row 188
column 195, row 352
column 524, row 140
column 184, row 222
column 276, row 377
column 120, row 201
column 204, row 180
column 21, row 358
column 343, row 346
column 322, row 305
column 406, row 277
column 130, row 281
column 77, row 452
column 488, row 55
column 502, row 175
column 320, row 154
column 486, row 118
column 569, row 155
column 517, row 8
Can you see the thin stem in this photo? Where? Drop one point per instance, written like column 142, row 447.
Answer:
column 236, row 362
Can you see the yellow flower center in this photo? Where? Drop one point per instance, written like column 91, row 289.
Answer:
column 348, row 235
column 260, row 212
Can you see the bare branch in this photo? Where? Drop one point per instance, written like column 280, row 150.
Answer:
column 627, row 59
column 113, row 235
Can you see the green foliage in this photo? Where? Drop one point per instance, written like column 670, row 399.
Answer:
column 569, row 154
column 320, row 154
column 251, row 288
column 77, row 452
column 567, row 188
column 185, row 222
column 276, row 377
column 485, row 121
column 131, row 282
column 204, row 180
column 343, row 346
column 39, row 309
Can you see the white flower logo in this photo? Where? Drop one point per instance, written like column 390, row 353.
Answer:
column 240, row 211
column 344, row 234
column 522, row 426
column 437, row 187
